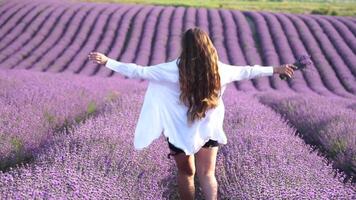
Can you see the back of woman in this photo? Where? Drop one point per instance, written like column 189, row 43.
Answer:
column 184, row 102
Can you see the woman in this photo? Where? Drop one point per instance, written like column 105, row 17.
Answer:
column 185, row 96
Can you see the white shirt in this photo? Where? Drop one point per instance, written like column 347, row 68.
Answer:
column 162, row 113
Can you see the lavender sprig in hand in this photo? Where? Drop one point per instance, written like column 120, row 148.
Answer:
column 302, row 62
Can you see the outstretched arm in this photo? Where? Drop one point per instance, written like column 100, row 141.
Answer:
column 130, row 70
column 236, row 73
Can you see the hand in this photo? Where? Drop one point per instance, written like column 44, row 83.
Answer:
column 97, row 57
column 286, row 69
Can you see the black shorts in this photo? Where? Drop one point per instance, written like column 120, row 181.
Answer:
column 176, row 150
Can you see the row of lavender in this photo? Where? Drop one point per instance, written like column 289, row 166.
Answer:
column 34, row 106
column 57, row 37
column 97, row 160
column 327, row 124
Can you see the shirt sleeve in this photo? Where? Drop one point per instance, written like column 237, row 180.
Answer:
column 236, row 73
column 135, row 71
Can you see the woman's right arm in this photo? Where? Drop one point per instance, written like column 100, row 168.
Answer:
column 131, row 70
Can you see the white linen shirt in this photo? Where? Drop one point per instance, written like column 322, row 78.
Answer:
column 162, row 112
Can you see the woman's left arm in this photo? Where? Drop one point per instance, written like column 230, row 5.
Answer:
column 130, row 70
column 236, row 73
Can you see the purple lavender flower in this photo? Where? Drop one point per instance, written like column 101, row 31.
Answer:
column 301, row 63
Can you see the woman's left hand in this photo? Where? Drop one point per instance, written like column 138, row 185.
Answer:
column 98, row 58
column 286, row 69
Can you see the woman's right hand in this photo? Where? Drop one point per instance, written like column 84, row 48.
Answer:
column 286, row 69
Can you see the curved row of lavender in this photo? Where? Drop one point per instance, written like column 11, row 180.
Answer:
column 34, row 106
column 57, row 36
column 96, row 159
column 328, row 124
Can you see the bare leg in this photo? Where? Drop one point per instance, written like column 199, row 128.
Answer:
column 206, row 160
column 186, row 172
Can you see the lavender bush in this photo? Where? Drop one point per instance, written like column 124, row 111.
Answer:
column 265, row 160
column 328, row 124
column 35, row 105
column 96, row 159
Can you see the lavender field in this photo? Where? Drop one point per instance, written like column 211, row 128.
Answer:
column 66, row 125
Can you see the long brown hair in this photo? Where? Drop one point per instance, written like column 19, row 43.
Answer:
column 199, row 77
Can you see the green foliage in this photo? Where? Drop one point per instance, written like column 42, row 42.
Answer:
column 20, row 156
column 338, row 146
column 335, row 7
column 334, row 13
column 50, row 118
column 91, row 108
column 78, row 118
column 324, row 11
column 16, row 144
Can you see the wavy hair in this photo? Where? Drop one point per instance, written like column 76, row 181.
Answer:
column 199, row 77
